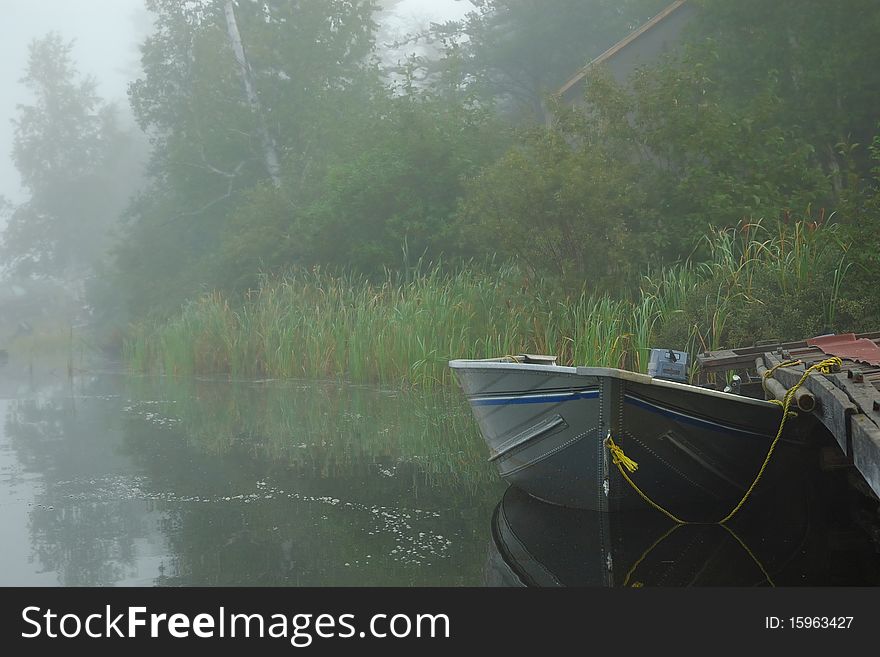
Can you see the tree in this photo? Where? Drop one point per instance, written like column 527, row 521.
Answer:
column 216, row 105
column 384, row 201
column 270, row 153
column 73, row 158
column 564, row 204
column 634, row 177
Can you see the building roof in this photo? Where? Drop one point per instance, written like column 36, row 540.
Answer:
column 621, row 45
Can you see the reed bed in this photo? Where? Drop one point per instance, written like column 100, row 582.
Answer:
column 405, row 329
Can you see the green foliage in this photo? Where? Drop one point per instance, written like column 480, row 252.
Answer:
column 564, row 205
column 712, row 161
column 398, row 191
column 861, row 212
column 817, row 57
column 311, row 71
column 758, row 284
column 387, row 194
column 703, row 156
column 637, row 172
column 397, row 331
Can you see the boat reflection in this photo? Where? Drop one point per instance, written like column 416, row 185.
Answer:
column 781, row 541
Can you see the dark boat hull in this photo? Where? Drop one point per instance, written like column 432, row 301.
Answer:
column 698, row 450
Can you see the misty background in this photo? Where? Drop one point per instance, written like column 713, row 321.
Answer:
column 170, row 171
column 215, row 215
column 107, row 35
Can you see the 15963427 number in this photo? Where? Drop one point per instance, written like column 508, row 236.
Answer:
column 820, row 622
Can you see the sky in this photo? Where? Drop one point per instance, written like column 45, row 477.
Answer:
column 107, row 34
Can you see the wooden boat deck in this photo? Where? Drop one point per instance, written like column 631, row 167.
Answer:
column 847, row 402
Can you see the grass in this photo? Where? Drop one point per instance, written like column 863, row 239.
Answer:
column 316, row 325
column 403, row 330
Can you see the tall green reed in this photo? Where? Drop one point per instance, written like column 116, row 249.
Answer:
column 404, row 328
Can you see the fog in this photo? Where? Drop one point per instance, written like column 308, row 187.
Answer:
column 107, row 35
column 250, row 248
column 283, row 137
column 106, row 32
column 106, row 38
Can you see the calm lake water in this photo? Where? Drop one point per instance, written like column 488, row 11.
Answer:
column 109, row 479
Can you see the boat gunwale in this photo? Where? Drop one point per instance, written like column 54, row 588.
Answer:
column 608, row 372
column 492, row 364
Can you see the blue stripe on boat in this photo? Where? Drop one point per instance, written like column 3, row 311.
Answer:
column 689, row 419
column 540, row 398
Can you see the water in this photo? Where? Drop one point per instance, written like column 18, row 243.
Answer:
column 110, row 479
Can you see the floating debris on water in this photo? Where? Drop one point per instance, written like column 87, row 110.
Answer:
column 413, row 543
column 141, row 409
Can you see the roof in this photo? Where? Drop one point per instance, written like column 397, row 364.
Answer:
column 622, row 44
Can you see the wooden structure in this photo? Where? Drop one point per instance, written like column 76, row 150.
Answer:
column 642, row 46
column 846, row 402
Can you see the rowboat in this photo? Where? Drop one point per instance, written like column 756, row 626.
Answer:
column 559, row 433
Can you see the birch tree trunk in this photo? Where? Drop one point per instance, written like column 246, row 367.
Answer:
column 270, row 154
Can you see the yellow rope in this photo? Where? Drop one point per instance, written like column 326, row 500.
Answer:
column 645, row 554
column 618, row 456
column 779, row 402
column 785, row 363
column 825, row 367
column 768, row 373
column 624, row 463
column 668, row 533
column 751, row 554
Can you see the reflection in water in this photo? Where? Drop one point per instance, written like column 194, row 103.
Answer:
column 109, row 480
column 158, row 483
column 327, row 429
column 540, row 545
column 48, row 440
column 782, row 540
